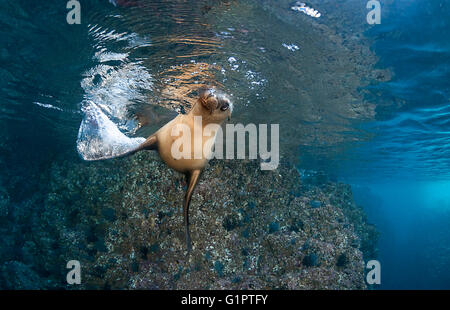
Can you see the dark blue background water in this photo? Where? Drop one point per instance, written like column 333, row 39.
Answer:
column 402, row 176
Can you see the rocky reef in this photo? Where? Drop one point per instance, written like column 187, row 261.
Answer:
column 251, row 229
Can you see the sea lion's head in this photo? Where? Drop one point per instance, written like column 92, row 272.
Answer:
column 216, row 104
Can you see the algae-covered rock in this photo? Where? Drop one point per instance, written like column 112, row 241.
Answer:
column 251, row 229
column 18, row 276
column 4, row 202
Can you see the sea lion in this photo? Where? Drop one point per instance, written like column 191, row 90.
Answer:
column 212, row 108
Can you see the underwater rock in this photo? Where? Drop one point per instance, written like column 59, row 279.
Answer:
column 15, row 275
column 4, row 202
column 109, row 214
column 274, row 227
column 310, row 260
column 342, row 260
column 218, row 267
column 230, row 222
column 126, row 221
column 297, row 225
column 315, row 204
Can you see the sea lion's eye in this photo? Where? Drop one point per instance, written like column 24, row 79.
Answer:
column 224, row 107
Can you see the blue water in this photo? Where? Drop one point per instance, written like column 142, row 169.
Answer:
column 402, row 175
column 396, row 159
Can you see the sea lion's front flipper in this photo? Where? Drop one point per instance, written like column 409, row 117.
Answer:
column 192, row 179
column 150, row 144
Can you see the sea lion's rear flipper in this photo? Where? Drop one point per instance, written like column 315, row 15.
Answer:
column 192, row 179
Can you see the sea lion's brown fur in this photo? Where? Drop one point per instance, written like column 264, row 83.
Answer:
column 214, row 109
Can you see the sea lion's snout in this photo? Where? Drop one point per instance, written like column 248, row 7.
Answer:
column 213, row 100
